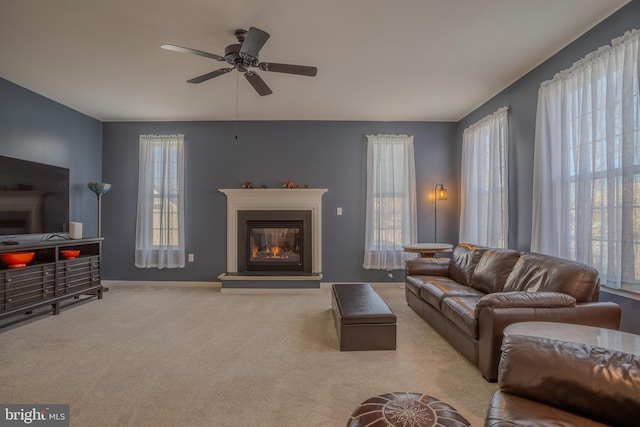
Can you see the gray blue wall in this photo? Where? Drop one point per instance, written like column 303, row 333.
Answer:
column 37, row 129
column 329, row 155
column 521, row 98
column 322, row 154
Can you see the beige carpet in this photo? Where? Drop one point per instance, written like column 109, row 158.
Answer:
column 191, row 356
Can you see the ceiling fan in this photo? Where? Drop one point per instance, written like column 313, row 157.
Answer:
column 243, row 56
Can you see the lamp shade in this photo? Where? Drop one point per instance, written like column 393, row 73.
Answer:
column 99, row 187
column 441, row 193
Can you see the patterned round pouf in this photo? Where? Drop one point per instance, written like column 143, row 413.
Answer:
column 405, row 410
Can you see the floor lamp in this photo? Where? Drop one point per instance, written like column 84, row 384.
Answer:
column 439, row 193
column 99, row 188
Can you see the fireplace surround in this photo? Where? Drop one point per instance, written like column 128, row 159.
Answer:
column 298, row 205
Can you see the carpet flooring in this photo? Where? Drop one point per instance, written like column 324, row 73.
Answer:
column 160, row 355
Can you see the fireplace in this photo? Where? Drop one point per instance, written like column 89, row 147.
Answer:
column 274, row 241
column 290, row 220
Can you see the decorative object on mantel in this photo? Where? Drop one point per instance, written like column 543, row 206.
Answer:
column 291, row 184
column 99, row 188
column 247, row 184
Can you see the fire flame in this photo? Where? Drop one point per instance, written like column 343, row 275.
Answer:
column 268, row 253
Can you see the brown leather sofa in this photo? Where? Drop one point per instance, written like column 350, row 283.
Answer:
column 584, row 376
column 470, row 298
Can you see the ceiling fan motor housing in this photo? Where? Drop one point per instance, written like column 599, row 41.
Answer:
column 241, row 34
column 233, row 57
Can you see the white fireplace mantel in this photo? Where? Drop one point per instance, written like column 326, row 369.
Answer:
column 274, row 199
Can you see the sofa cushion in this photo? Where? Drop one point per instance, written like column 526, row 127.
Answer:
column 435, row 289
column 537, row 272
column 525, row 299
column 461, row 312
column 493, row 268
column 465, row 258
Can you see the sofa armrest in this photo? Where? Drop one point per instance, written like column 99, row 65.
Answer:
column 493, row 320
column 428, row 267
column 597, row 381
column 525, row 299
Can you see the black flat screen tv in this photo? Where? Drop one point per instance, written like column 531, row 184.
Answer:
column 34, row 197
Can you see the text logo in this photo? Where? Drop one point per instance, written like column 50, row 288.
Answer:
column 34, row 415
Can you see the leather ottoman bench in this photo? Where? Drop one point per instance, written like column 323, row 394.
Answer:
column 363, row 320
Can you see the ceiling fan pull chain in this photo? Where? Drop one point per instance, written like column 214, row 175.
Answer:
column 237, row 84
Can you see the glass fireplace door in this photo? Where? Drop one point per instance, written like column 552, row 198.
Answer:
column 274, row 246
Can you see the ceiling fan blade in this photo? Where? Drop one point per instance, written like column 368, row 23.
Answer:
column 210, row 75
column 301, row 70
column 253, row 42
column 258, row 84
column 193, row 51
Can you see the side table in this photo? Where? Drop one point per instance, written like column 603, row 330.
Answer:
column 612, row 339
column 428, row 250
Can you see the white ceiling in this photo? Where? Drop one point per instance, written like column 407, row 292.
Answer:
column 382, row 60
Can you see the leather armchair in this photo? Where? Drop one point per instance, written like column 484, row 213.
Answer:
column 559, row 374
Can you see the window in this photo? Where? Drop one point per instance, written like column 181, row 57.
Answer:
column 586, row 202
column 391, row 201
column 484, row 211
column 160, row 223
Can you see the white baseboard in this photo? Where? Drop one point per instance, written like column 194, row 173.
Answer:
column 381, row 284
column 217, row 285
column 110, row 283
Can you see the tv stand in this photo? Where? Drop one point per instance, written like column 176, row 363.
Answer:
column 50, row 278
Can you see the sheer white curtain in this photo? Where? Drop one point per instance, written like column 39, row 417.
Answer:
column 160, row 220
column 484, row 213
column 391, row 201
column 586, row 196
